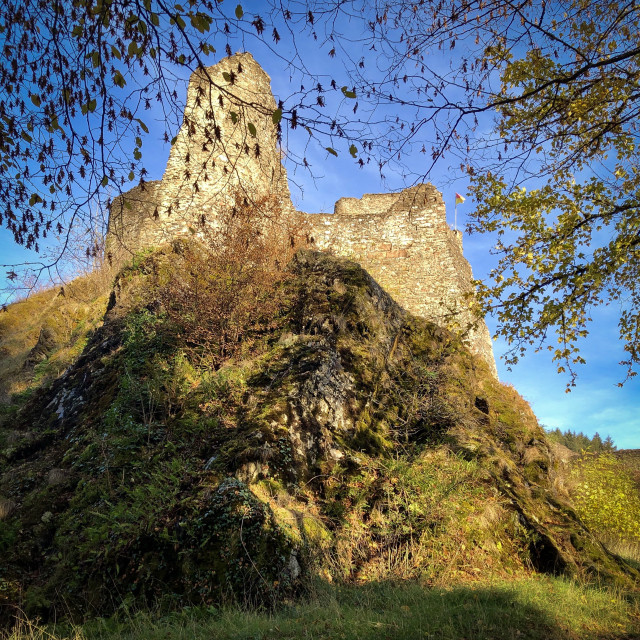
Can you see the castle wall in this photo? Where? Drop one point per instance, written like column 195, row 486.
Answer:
column 217, row 152
column 369, row 204
column 215, row 160
column 405, row 243
column 132, row 218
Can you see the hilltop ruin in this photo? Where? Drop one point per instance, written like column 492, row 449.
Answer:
column 228, row 143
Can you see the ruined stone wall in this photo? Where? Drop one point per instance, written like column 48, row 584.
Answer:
column 227, row 149
column 369, row 204
column 403, row 240
column 228, row 140
column 132, row 222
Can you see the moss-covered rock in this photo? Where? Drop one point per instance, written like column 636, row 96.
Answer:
column 345, row 439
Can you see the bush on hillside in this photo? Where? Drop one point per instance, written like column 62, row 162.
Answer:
column 220, row 290
column 606, row 497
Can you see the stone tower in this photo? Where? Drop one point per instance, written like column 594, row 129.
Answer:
column 227, row 145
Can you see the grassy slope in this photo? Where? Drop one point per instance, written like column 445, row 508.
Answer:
column 67, row 314
column 443, row 474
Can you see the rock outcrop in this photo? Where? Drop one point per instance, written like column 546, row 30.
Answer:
column 349, row 434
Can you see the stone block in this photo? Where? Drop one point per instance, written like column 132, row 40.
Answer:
column 397, row 253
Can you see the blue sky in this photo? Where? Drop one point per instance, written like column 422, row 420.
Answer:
column 596, row 404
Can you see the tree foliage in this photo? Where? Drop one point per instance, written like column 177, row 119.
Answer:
column 565, row 201
column 539, row 101
column 606, row 497
column 580, row 443
column 75, row 79
column 536, row 101
column 81, row 82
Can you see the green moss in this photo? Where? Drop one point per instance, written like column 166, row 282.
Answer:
column 370, row 436
column 315, row 532
column 430, row 483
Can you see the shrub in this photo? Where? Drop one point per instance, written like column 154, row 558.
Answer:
column 219, row 291
column 606, row 497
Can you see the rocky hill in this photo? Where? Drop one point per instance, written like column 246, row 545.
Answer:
column 332, row 437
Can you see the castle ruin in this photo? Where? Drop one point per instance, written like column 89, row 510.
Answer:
column 228, row 145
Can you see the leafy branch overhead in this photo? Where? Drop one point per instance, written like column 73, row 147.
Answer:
column 81, row 82
column 537, row 101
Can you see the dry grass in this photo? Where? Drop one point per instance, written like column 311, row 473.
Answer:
column 626, row 549
column 68, row 313
column 6, row 508
column 432, row 520
column 31, row 630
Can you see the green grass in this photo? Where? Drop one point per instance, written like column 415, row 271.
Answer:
column 70, row 317
column 531, row 608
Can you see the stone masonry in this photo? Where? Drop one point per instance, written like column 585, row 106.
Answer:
column 402, row 239
column 226, row 146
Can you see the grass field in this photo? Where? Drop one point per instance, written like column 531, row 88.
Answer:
column 532, row 608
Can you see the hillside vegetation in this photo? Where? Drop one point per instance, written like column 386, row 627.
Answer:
column 41, row 335
column 604, row 487
column 323, row 436
column 605, row 492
